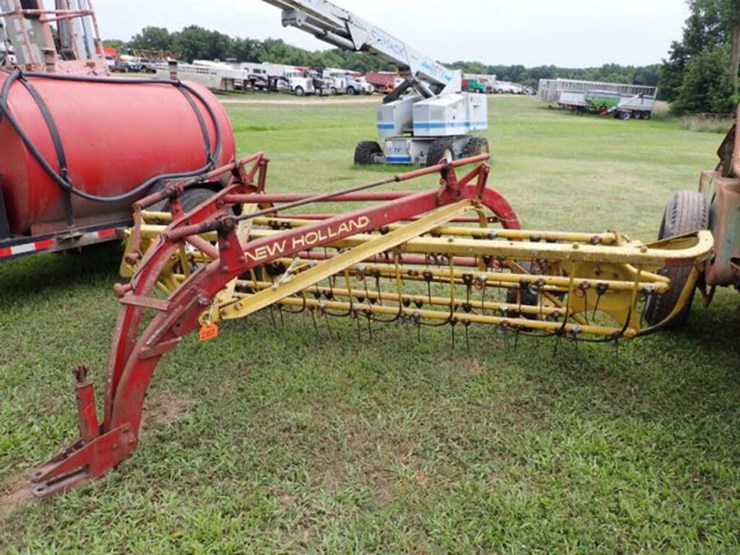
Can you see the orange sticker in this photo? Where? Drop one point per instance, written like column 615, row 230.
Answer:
column 208, row 332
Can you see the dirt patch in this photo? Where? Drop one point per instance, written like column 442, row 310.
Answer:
column 18, row 492
column 164, row 409
column 161, row 410
column 465, row 366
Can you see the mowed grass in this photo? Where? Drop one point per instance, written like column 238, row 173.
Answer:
column 323, row 440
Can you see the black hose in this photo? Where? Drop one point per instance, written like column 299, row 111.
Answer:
column 64, row 181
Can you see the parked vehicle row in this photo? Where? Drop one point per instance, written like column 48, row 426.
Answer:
column 265, row 77
column 132, row 65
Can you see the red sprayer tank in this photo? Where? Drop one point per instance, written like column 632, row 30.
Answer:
column 112, row 135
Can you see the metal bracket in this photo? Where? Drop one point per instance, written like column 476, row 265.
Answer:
column 4, row 223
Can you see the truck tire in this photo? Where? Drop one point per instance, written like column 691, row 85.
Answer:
column 299, row 91
column 687, row 212
column 366, row 151
column 351, row 91
column 476, row 146
column 439, row 150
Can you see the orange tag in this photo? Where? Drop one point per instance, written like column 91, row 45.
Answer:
column 208, row 332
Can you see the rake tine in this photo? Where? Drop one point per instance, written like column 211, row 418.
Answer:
column 328, row 326
column 616, row 351
column 315, row 324
column 557, row 344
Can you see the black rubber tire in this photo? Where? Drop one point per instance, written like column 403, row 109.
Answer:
column 687, row 212
column 439, row 149
column 625, row 116
column 525, row 296
column 193, row 197
column 476, row 146
column 366, row 151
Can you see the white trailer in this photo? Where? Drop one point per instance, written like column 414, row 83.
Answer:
column 425, row 119
column 549, row 90
column 572, row 100
column 217, row 76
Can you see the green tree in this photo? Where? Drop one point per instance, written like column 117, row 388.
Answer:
column 712, row 28
column 246, row 50
column 194, row 42
column 152, row 38
column 731, row 16
column 704, row 87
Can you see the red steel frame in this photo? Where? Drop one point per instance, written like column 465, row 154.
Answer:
column 136, row 353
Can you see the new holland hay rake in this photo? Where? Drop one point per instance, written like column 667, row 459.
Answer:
column 419, row 258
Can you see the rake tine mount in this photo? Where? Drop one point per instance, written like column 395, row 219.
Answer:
column 453, row 254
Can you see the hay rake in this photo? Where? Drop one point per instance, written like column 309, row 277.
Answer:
column 451, row 255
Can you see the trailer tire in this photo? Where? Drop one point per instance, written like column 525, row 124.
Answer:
column 687, row 212
column 625, row 116
column 439, row 150
column 365, row 152
column 476, row 146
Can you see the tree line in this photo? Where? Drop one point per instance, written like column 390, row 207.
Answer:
column 197, row 43
column 699, row 75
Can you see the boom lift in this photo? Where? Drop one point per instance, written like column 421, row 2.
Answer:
column 426, row 119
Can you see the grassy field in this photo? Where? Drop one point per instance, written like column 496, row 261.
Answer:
column 283, row 438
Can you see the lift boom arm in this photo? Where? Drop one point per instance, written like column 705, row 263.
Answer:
column 343, row 29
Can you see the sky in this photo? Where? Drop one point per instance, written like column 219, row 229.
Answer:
column 566, row 33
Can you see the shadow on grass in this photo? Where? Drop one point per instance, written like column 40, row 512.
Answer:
column 38, row 276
